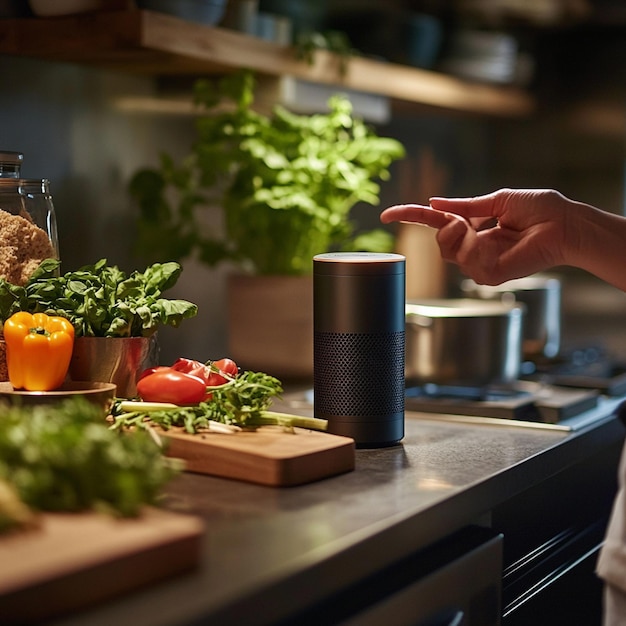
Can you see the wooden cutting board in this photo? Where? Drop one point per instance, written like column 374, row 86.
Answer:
column 268, row 455
column 72, row 561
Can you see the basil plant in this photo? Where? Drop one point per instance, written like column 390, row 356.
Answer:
column 286, row 184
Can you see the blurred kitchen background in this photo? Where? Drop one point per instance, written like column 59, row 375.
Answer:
column 88, row 130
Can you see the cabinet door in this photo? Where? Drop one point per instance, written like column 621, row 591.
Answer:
column 461, row 588
column 455, row 582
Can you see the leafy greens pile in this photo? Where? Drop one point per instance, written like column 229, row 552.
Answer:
column 244, row 402
column 65, row 457
column 100, row 300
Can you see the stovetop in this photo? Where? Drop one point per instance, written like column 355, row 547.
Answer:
column 563, row 392
column 582, row 368
column 523, row 400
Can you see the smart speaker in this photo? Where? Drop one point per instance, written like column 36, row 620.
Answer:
column 358, row 345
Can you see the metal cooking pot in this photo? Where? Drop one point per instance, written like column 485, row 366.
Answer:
column 541, row 294
column 463, row 341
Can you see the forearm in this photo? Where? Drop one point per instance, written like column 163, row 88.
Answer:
column 598, row 245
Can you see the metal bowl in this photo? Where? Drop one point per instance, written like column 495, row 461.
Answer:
column 117, row 360
column 463, row 341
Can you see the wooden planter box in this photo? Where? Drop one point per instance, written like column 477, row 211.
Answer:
column 270, row 324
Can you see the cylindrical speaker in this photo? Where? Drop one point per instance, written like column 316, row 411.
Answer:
column 358, row 345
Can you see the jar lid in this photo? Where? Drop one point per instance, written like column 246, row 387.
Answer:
column 9, row 156
column 10, row 163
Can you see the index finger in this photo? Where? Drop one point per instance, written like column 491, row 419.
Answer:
column 416, row 214
column 489, row 205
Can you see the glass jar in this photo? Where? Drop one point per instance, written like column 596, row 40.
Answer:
column 32, row 200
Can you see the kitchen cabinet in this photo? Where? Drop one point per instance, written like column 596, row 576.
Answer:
column 145, row 42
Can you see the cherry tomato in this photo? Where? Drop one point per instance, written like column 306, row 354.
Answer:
column 228, row 366
column 195, row 368
column 184, row 365
column 227, row 369
column 169, row 385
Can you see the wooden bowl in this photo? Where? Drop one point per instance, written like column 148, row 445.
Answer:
column 101, row 394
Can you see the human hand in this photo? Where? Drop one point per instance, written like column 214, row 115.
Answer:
column 500, row 236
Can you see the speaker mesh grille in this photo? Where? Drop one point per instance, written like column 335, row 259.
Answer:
column 358, row 374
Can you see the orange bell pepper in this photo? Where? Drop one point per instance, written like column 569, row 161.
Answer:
column 38, row 350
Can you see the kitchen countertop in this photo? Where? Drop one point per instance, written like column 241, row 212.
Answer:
column 270, row 551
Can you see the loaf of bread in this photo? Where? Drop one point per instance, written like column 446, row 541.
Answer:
column 23, row 246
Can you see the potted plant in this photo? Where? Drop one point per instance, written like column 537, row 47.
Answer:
column 285, row 185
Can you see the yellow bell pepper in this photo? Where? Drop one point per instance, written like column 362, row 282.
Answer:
column 38, row 350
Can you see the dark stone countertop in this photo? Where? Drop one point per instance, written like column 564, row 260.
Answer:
column 269, row 551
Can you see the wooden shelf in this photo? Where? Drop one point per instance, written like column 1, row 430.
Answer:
column 137, row 41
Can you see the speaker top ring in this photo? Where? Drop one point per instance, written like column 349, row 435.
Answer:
column 358, row 263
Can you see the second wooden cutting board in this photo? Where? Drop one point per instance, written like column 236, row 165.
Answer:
column 74, row 560
column 268, row 455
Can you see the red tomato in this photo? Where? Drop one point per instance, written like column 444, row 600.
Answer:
column 169, row 385
column 151, row 370
column 227, row 370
